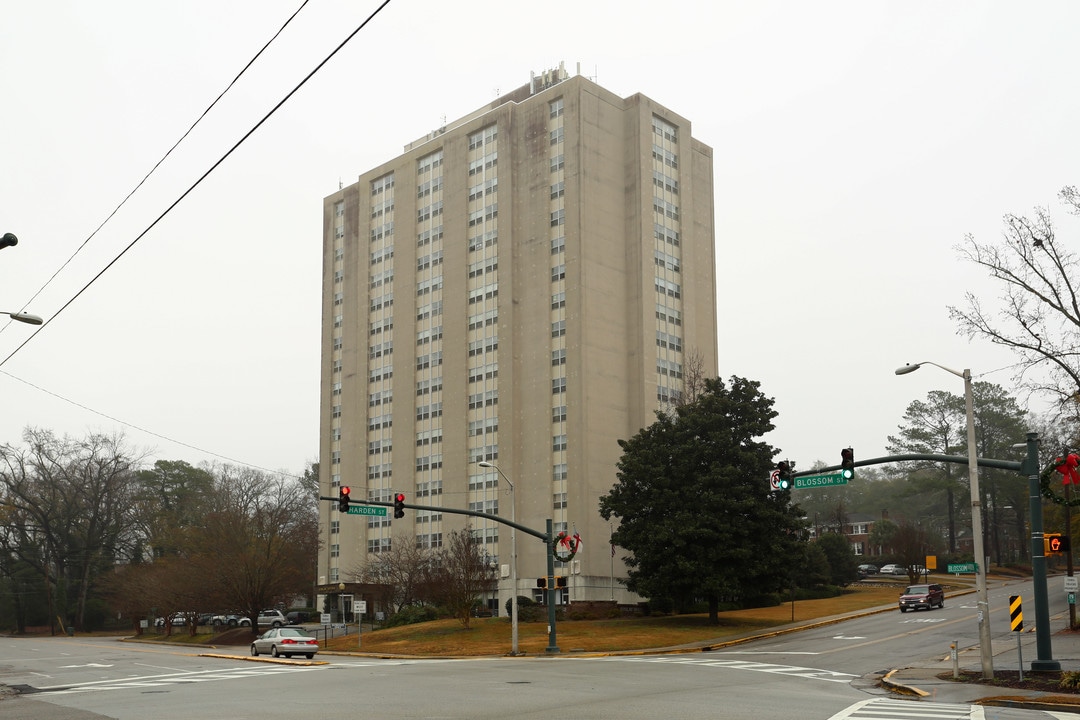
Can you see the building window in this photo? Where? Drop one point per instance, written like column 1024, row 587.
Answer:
column 558, row 244
column 558, row 413
column 555, row 108
column 558, row 472
column 556, row 136
column 558, row 300
column 558, row 273
column 558, row 328
column 558, row 357
column 558, row 162
column 560, row 501
column 558, row 443
column 335, row 527
column 558, row 190
column 558, row 385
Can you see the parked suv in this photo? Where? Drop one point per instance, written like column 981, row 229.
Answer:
column 273, row 618
column 922, row 596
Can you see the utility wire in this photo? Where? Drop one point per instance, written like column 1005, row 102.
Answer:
column 140, row 429
column 198, row 182
column 158, row 163
column 169, row 209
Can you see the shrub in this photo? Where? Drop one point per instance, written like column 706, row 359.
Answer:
column 411, row 615
column 1070, row 680
column 523, row 602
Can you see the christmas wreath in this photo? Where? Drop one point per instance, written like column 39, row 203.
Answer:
column 1068, row 467
column 570, row 543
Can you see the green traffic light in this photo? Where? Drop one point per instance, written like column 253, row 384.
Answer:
column 848, row 474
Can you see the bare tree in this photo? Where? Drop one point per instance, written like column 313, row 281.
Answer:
column 464, row 575
column 259, row 545
column 1039, row 316
column 70, row 501
column 404, row 570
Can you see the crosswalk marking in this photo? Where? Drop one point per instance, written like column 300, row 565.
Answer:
column 150, row 681
column 792, row 670
column 889, row 709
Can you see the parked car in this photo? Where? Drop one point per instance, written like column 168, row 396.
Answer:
column 865, row 570
column 922, row 596
column 177, row 620
column 893, row 569
column 274, row 618
column 231, row 620
column 295, row 617
column 285, row 641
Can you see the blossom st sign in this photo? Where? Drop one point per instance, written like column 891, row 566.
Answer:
column 812, row 481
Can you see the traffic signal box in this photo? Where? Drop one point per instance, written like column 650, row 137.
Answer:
column 783, row 469
column 1055, row 544
column 343, row 499
column 399, row 505
column 560, row 582
column 847, row 463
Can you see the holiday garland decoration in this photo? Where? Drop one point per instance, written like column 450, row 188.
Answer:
column 570, row 543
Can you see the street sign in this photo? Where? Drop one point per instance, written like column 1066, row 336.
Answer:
column 1071, row 584
column 774, row 480
column 378, row 510
column 359, row 607
column 962, row 567
column 324, row 618
column 810, row 481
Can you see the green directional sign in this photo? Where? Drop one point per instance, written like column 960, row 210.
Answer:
column 961, row 567
column 367, row 510
column 812, row 481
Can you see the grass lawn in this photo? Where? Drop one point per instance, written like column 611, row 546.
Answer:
column 491, row 636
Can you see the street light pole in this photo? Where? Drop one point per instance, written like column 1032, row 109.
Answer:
column 986, row 651
column 513, row 560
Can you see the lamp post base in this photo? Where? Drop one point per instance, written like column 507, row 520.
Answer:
column 1045, row 666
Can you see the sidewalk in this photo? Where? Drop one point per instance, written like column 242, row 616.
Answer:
column 924, row 681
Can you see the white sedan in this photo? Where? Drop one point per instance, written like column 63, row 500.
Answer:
column 287, row 641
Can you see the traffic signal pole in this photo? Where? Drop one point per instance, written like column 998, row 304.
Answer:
column 1029, row 467
column 548, row 538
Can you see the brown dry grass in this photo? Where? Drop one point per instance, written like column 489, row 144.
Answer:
column 491, row 636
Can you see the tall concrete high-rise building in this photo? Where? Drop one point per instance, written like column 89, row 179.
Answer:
column 522, row 287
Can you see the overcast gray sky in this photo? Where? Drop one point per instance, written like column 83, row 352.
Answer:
column 856, row 143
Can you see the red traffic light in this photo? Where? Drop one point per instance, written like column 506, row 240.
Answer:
column 399, row 505
column 343, row 499
column 345, row 490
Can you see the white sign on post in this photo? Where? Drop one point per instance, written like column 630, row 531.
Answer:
column 359, row 607
column 324, row 618
column 1071, row 584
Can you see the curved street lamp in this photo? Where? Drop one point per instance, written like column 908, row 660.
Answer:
column 985, row 650
column 23, row 317
column 513, row 559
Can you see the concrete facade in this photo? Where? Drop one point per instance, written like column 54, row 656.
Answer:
column 525, row 286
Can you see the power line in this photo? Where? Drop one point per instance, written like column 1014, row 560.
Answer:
column 158, row 163
column 169, row 209
column 140, row 429
column 198, row 182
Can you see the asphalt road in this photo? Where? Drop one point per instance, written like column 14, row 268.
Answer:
column 828, row 673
